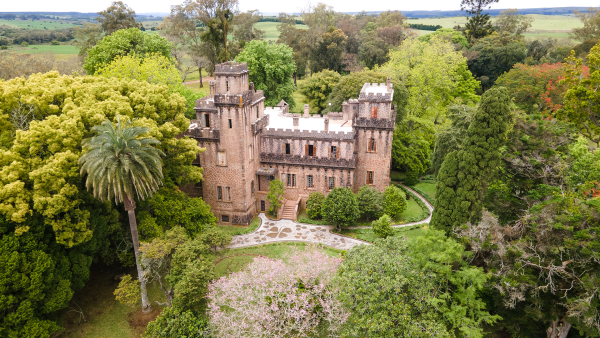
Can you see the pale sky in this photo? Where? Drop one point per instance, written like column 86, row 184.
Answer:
column 275, row 6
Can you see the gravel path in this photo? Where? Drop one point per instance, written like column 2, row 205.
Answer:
column 285, row 230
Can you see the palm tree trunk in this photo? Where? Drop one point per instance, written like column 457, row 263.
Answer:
column 558, row 329
column 130, row 207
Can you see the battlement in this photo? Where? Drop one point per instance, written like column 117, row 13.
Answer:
column 205, row 102
column 197, row 132
column 375, row 97
column 260, row 124
column 308, row 134
column 238, row 99
column 341, row 163
column 231, row 68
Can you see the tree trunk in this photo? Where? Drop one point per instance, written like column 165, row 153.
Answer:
column 558, row 329
column 295, row 84
column 130, row 207
column 200, row 73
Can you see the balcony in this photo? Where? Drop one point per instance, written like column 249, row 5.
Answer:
column 314, row 161
column 203, row 134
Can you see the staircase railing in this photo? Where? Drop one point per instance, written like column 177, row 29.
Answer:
column 297, row 209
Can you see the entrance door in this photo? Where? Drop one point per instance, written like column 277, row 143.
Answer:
column 262, row 206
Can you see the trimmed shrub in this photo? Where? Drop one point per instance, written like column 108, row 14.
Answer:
column 370, row 202
column 394, row 201
column 383, row 226
column 314, row 204
column 340, row 208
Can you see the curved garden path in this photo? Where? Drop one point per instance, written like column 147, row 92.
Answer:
column 285, row 230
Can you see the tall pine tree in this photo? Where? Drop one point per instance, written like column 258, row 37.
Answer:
column 464, row 174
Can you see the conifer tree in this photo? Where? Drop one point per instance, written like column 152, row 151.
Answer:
column 464, row 175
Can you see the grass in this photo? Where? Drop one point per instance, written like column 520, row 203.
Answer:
column 369, row 236
column 37, row 24
column 299, row 99
column 196, row 87
column 428, row 188
column 104, row 315
column 543, row 26
column 240, row 230
column 36, row 49
column 271, row 31
column 244, row 256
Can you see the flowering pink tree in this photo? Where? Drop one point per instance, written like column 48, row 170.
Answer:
column 278, row 298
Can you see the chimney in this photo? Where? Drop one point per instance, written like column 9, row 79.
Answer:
column 345, row 111
column 213, row 85
column 326, row 122
column 388, row 83
column 296, row 122
column 251, row 87
column 306, row 110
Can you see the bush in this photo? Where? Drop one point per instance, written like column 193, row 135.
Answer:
column 394, row 201
column 275, row 196
column 3, row 47
column 383, row 226
column 55, row 43
column 340, row 208
column 370, row 202
column 24, row 44
column 176, row 323
column 314, row 204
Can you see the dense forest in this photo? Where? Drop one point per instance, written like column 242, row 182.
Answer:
column 503, row 128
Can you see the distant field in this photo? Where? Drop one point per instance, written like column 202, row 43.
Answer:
column 270, row 29
column 37, row 24
column 543, row 26
column 36, row 49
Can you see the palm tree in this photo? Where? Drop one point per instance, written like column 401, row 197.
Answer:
column 121, row 166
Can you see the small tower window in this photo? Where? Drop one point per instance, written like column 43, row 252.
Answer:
column 227, row 85
column 369, row 177
column 256, row 111
column 372, row 145
column 374, row 112
column 230, row 124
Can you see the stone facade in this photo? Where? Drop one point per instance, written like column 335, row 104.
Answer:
column 247, row 146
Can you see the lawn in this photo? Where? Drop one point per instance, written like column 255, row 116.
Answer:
column 428, row 188
column 271, row 31
column 37, row 24
column 196, row 87
column 244, row 256
column 543, row 26
column 104, row 315
column 299, row 99
column 369, row 236
column 239, row 229
column 36, row 49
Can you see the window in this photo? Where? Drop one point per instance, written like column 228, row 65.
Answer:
column 369, row 177
column 310, row 182
column 252, row 186
column 270, row 178
column 230, row 124
column 227, row 195
column 219, row 193
column 221, row 158
column 309, row 150
column 250, row 152
column 372, row 145
column 334, row 152
column 287, row 149
column 291, row 180
column 227, row 85
column 256, row 111
column 205, row 121
column 225, row 218
column 331, row 183
column 374, row 112
column 262, row 206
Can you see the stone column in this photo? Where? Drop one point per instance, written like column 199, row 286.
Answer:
column 306, row 110
column 296, row 122
column 326, row 124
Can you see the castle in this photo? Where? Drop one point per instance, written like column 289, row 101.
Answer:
column 248, row 145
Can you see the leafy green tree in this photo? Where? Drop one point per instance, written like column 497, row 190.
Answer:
column 591, row 25
column 135, row 170
column 153, row 68
column 328, row 54
column 417, row 288
column 117, row 16
column 370, row 202
column 411, row 146
column 451, row 139
column 454, row 36
column 87, row 36
column 394, row 201
column 275, row 196
column 465, row 174
column 318, row 87
column 124, row 42
column 173, row 322
column 340, row 207
column 494, row 60
column 271, row 68
column 314, row 204
column 383, row 226
column 478, row 25
column 349, row 87
column 512, row 25
column 581, row 98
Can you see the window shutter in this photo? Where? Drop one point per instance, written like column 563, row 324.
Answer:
column 369, row 147
column 374, row 145
column 337, row 152
column 306, row 150
column 329, row 152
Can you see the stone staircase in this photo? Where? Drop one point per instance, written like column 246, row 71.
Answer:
column 289, row 210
